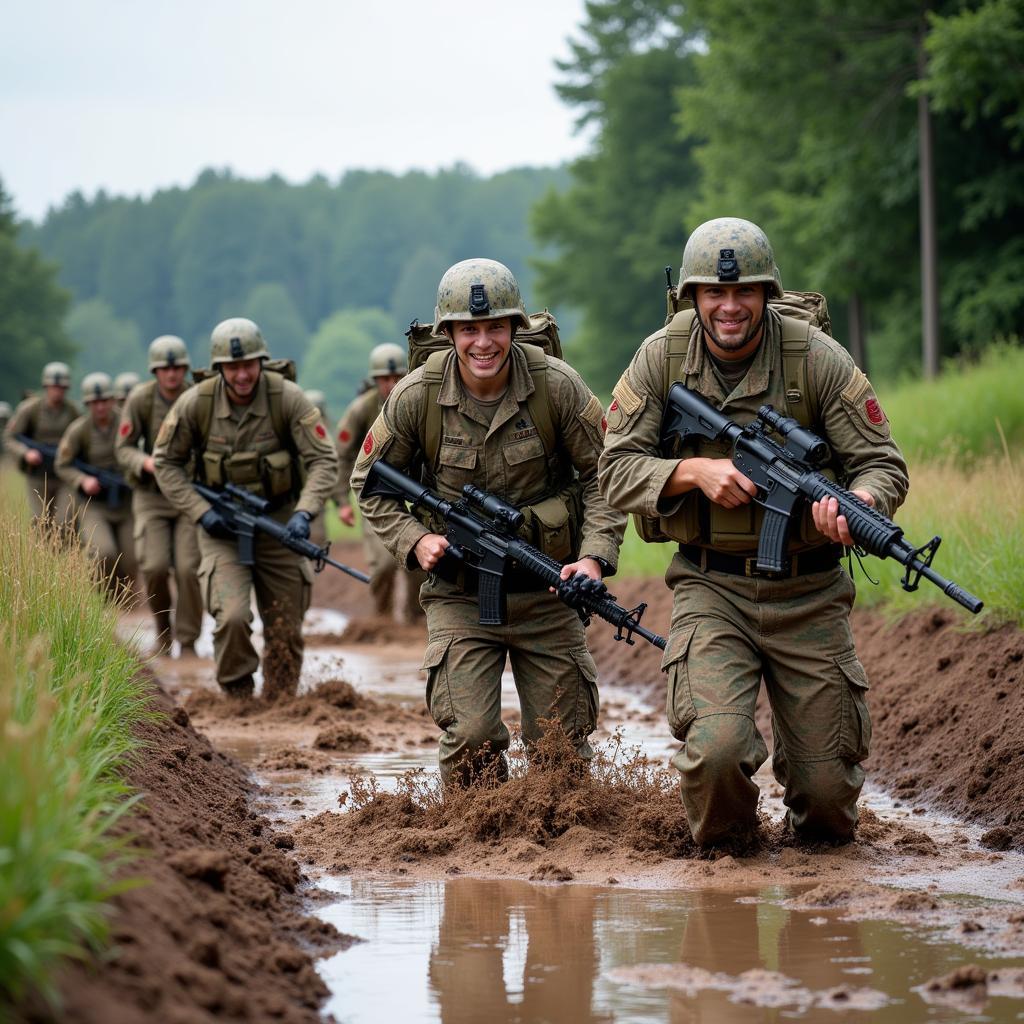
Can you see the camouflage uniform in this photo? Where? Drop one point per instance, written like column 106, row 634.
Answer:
column 500, row 450
column 42, row 423
column 106, row 532
column 729, row 630
column 165, row 538
column 242, row 443
column 353, row 426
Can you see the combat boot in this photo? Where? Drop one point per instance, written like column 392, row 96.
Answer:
column 240, row 689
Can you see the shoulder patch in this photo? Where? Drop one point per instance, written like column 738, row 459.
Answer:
column 863, row 407
column 377, row 439
column 625, row 404
column 593, row 411
column 125, row 429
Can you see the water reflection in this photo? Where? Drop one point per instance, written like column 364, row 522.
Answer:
column 510, row 952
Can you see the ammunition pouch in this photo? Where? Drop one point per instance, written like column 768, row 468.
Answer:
column 554, row 525
column 271, row 475
column 277, row 474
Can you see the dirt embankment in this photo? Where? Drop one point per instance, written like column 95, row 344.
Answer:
column 215, row 931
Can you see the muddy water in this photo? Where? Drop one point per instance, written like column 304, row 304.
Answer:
column 467, row 950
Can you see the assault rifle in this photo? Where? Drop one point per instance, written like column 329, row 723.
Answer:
column 113, row 486
column 481, row 531
column 786, row 475
column 245, row 515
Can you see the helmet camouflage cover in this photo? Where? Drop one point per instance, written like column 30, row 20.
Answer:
column 56, row 374
column 123, row 383
column 479, row 289
column 96, row 386
column 729, row 250
column 168, row 350
column 236, row 339
column 388, row 360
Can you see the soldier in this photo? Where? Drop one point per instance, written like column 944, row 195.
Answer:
column 524, row 426
column 388, row 365
column 106, row 529
column 5, row 416
column 249, row 425
column 731, row 625
column 43, row 418
column 123, row 384
column 317, row 528
column 165, row 538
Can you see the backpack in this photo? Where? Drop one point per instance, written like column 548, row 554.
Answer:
column 430, row 351
column 802, row 314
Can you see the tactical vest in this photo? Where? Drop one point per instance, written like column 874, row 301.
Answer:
column 276, row 474
column 554, row 522
column 700, row 521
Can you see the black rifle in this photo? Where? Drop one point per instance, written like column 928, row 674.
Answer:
column 113, row 486
column 786, row 475
column 481, row 532
column 244, row 514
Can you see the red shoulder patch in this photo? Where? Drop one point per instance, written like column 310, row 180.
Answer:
column 874, row 411
column 368, row 443
column 613, row 406
column 320, row 432
column 126, row 428
column 344, row 436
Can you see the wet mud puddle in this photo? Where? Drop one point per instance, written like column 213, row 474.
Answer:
column 470, row 950
column 467, row 949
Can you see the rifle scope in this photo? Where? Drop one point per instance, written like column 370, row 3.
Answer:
column 508, row 515
column 800, row 442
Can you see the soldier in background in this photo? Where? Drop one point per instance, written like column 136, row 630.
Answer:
column 44, row 418
column 318, row 527
column 106, row 530
column 123, row 384
column 165, row 538
column 248, row 425
column 5, row 415
column 388, row 365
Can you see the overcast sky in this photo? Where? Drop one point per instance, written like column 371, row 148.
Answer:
column 132, row 96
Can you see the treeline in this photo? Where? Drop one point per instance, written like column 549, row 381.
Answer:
column 813, row 118
column 327, row 270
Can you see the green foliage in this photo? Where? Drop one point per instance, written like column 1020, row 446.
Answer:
column 32, row 308
column 69, row 699
column 338, row 355
column 104, row 341
column 271, row 306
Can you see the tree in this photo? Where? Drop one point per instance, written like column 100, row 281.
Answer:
column 32, row 308
column 338, row 355
column 104, row 341
column 271, row 306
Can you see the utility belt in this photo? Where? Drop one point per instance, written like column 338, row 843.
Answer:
column 271, row 475
column 803, row 563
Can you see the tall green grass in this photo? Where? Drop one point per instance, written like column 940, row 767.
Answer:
column 962, row 435
column 69, row 699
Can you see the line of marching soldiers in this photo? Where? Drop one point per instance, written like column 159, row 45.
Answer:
column 95, row 473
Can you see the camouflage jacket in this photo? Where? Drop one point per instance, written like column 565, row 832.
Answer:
column 36, row 419
column 84, row 440
column 142, row 415
column 353, row 426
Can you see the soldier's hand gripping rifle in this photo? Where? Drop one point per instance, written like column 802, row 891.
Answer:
column 482, row 532
column 245, row 515
column 113, row 486
column 786, row 475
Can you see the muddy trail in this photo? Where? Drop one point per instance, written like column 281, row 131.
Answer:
column 559, row 896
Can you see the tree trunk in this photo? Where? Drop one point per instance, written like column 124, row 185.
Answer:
column 929, row 254
column 855, row 331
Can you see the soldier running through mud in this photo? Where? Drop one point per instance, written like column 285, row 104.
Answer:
column 165, row 537
column 490, row 435
column 249, row 425
column 732, row 624
column 388, row 365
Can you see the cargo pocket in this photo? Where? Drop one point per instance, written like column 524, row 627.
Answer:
column 548, row 521
column 588, row 703
column 439, row 698
column 679, row 707
column 205, row 576
column 243, row 468
column 276, row 473
column 306, row 569
column 456, row 466
column 855, row 732
column 213, row 468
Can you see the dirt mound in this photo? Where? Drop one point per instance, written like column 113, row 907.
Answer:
column 214, row 931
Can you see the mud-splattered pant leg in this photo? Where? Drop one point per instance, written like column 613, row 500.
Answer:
column 726, row 633
column 553, row 670
column 226, row 588
column 383, row 571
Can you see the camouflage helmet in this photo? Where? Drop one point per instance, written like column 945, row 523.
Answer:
column 123, row 383
column 96, row 386
column 479, row 289
column 236, row 339
column 58, row 374
column 168, row 350
column 729, row 250
column 388, row 360
column 316, row 397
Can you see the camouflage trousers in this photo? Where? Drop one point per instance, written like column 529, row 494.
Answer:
column 554, row 674
column 107, row 536
column 166, row 544
column 729, row 632
column 386, row 576
column 281, row 581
